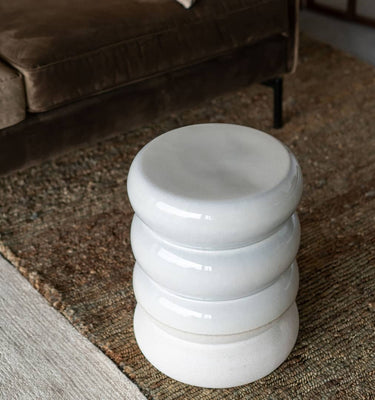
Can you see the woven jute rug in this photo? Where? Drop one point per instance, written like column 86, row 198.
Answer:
column 65, row 226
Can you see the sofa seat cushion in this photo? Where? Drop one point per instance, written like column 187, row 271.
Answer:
column 68, row 50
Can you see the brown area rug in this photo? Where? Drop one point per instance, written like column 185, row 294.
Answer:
column 65, row 225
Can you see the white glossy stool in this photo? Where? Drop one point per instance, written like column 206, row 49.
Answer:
column 215, row 236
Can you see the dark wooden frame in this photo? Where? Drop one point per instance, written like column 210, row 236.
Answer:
column 349, row 14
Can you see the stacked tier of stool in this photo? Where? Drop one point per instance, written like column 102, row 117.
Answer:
column 215, row 236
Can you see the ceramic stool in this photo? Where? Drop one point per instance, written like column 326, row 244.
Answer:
column 215, row 236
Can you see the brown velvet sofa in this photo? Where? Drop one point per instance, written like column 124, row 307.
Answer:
column 73, row 72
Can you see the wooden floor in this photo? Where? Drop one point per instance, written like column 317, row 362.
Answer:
column 43, row 357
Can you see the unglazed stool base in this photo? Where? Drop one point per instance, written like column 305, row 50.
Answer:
column 216, row 361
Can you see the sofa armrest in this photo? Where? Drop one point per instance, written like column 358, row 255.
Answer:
column 294, row 9
column 12, row 96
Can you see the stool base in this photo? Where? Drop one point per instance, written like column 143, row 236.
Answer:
column 216, row 361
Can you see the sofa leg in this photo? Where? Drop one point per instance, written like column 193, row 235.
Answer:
column 277, row 85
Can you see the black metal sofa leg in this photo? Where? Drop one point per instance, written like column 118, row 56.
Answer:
column 277, row 85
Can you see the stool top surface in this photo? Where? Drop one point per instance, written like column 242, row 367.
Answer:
column 214, row 162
